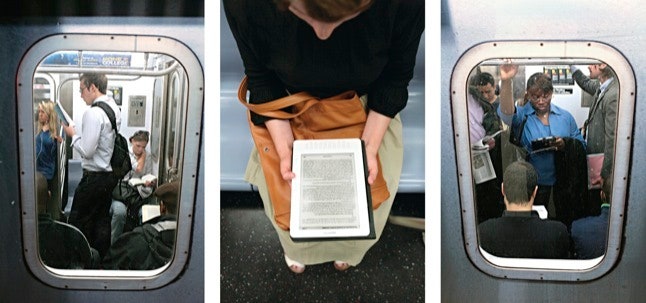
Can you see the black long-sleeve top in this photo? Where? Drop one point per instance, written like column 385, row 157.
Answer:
column 373, row 53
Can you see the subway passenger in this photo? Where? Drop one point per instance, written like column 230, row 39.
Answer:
column 47, row 151
column 61, row 245
column 552, row 141
column 484, row 133
column 520, row 232
column 486, row 85
column 95, row 144
column 599, row 127
column 151, row 245
column 589, row 234
column 129, row 196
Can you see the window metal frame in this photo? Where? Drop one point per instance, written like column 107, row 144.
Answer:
column 543, row 269
column 109, row 279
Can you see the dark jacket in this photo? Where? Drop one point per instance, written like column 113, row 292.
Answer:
column 149, row 246
column 488, row 194
column 590, row 234
column 571, row 187
column 602, row 118
column 491, row 122
column 522, row 234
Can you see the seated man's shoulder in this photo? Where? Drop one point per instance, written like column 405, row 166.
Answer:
column 489, row 224
column 580, row 223
column 125, row 252
column 133, row 250
column 589, row 224
column 590, row 219
column 494, row 221
column 555, row 225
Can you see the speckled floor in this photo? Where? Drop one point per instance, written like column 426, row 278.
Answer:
column 253, row 268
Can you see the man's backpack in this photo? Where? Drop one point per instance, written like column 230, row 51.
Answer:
column 120, row 160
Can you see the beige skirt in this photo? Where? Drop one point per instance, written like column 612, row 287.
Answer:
column 352, row 251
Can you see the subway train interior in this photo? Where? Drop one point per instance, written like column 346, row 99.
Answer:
column 152, row 53
column 553, row 38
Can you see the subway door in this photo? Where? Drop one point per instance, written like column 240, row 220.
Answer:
column 173, row 128
column 157, row 128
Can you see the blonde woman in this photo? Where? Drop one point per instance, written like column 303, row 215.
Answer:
column 46, row 153
column 46, row 142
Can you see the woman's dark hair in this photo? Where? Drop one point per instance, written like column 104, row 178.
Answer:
column 483, row 79
column 539, row 83
column 327, row 10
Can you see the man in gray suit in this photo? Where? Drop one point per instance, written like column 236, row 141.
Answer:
column 599, row 128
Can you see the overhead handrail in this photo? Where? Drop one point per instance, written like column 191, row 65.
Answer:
column 540, row 61
column 111, row 71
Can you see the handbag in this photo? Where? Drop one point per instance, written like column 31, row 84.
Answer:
column 131, row 198
column 337, row 117
column 124, row 192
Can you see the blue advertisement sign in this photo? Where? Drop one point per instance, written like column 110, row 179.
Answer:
column 88, row 59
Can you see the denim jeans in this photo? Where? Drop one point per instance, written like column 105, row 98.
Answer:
column 118, row 212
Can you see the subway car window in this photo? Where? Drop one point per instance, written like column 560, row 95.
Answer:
column 88, row 221
column 543, row 138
